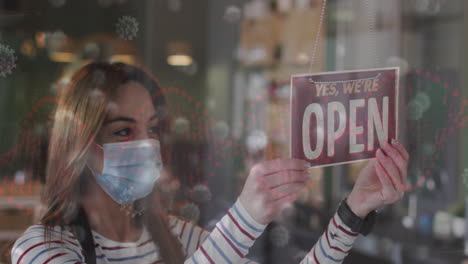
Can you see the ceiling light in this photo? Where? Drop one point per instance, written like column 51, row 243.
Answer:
column 179, row 60
column 58, row 56
column 125, row 58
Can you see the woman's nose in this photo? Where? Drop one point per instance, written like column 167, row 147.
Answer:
column 142, row 134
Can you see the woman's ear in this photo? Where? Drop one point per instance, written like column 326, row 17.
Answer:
column 95, row 159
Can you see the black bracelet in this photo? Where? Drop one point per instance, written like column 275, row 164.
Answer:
column 354, row 222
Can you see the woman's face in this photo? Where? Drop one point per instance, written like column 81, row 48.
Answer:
column 131, row 116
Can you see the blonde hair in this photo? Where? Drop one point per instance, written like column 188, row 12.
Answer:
column 79, row 115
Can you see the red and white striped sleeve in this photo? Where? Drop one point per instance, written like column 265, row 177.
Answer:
column 334, row 245
column 229, row 242
column 31, row 247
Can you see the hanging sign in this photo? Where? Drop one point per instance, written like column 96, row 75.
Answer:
column 342, row 117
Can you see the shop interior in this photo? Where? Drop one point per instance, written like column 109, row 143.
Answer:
column 225, row 68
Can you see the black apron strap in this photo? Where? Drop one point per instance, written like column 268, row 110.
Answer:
column 85, row 236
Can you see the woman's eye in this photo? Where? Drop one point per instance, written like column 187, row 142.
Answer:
column 123, row 132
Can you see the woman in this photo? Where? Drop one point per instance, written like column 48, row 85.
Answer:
column 105, row 156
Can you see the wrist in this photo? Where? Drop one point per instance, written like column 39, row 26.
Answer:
column 357, row 206
column 248, row 215
column 362, row 225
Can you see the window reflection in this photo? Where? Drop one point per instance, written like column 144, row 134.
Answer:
column 225, row 69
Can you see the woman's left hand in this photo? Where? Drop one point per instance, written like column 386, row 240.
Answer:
column 382, row 181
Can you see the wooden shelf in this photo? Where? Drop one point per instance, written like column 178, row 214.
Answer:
column 10, row 235
column 19, row 202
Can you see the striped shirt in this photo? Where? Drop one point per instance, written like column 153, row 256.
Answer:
column 229, row 242
column 334, row 244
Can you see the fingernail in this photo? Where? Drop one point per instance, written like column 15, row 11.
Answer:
column 381, row 153
column 385, row 144
column 393, row 141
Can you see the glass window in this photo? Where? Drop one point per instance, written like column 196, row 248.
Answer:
column 205, row 87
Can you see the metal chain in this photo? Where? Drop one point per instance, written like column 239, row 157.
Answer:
column 317, row 37
column 345, row 81
column 372, row 33
column 371, row 29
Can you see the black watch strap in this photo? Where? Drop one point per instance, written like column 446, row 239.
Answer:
column 354, row 222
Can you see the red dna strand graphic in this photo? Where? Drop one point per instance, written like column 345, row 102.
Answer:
column 435, row 112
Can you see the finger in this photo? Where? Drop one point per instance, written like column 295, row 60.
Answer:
column 391, row 170
column 272, row 166
column 286, row 190
column 401, row 149
column 397, row 159
column 284, row 177
column 388, row 189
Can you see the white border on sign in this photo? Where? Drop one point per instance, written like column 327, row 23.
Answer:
column 397, row 103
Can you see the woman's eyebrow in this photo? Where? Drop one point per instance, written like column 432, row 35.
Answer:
column 120, row 118
column 128, row 119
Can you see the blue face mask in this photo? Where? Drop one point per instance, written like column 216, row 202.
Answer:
column 130, row 169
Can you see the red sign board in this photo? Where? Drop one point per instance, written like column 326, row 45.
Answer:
column 342, row 117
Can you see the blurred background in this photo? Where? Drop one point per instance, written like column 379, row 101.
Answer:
column 225, row 67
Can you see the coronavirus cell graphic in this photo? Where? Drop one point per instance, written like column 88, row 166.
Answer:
column 414, row 110
column 418, row 106
column 127, row 27
column 395, row 61
column 7, row 60
column 256, row 141
column 221, row 130
column 298, row 255
column 427, row 7
column 424, row 99
column 57, row 3
column 181, row 125
column 279, row 236
column 232, row 14
column 190, row 212
column 200, row 193
column 427, row 149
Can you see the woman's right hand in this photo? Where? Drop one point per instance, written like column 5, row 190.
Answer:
column 271, row 186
